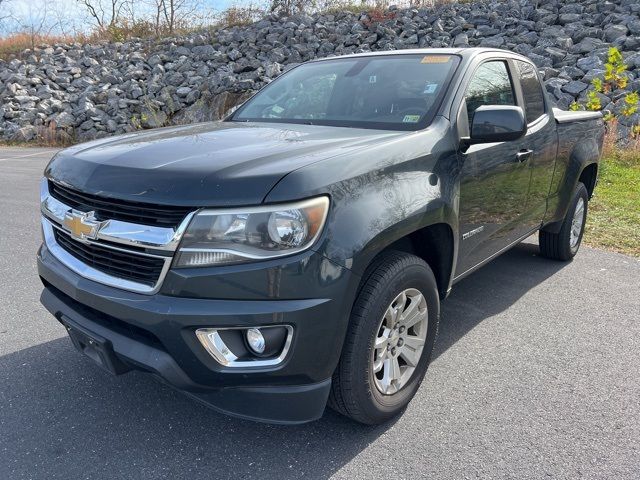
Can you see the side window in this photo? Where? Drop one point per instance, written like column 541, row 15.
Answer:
column 490, row 85
column 531, row 90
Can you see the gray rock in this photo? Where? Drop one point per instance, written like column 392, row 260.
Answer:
column 461, row 40
column 183, row 91
column 612, row 32
column 571, row 73
column 234, row 55
column 568, row 18
column 492, row 42
column 587, row 45
column 96, row 90
column 152, row 118
column 634, row 27
column 64, row 120
column 205, row 52
column 136, row 92
column 589, row 63
column 555, row 54
column 24, row 134
column 574, row 87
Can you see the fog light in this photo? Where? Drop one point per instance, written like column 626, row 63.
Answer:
column 255, row 340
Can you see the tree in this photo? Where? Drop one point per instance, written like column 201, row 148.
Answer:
column 105, row 13
column 289, row 7
column 5, row 14
column 172, row 13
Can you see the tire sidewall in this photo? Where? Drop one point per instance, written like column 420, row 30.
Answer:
column 580, row 192
column 375, row 403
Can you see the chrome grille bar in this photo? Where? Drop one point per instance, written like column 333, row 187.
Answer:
column 118, row 236
column 116, row 231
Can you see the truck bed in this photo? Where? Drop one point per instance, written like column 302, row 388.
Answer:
column 564, row 116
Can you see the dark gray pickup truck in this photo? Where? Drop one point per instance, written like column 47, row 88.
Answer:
column 296, row 253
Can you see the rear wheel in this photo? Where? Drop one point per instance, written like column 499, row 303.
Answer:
column 392, row 332
column 565, row 244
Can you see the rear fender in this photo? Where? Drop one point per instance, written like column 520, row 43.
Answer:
column 580, row 146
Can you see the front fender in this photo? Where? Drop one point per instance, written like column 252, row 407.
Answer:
column 381, row 194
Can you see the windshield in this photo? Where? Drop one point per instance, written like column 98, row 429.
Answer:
column 399, row 92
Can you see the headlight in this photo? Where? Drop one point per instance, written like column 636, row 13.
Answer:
column 225, row 236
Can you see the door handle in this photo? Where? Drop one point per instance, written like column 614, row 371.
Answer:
column 523, row 155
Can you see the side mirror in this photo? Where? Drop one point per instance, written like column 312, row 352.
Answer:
column 497, row 123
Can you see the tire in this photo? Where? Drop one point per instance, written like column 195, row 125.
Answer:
column 357, row 389
column 564, row 245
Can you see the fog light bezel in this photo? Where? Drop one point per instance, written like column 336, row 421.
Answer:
column 215, row 346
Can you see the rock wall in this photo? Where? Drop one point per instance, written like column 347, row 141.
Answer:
column 81, row 92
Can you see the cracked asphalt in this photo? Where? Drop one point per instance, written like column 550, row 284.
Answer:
column 536, row 375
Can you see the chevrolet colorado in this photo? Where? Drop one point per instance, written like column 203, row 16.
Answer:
column 295, row 254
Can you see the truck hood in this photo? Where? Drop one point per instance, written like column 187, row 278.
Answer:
column 211, row 164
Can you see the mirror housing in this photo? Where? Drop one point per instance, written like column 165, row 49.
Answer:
column 497, row 123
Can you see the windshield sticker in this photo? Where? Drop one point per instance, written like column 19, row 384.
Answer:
column 430, row 88
column 411, row 119
column 277, row 109
column 435, row 59
column 373, row 79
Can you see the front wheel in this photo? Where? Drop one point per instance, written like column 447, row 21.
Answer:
column 565, row 244
column 391, row 335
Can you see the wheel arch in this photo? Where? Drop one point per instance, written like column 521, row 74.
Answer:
column 589, row 176
column 435, row 244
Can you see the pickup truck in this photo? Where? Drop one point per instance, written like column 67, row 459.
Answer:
column 295, row 254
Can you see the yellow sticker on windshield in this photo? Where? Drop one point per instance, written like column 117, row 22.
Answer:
column 411, row 119
column 435, row 59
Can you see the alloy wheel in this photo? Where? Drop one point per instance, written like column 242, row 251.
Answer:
column 400, row 340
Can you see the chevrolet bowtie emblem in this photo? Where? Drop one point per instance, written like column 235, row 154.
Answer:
column 81, row 225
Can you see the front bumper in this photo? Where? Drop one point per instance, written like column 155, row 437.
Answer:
column 155, row 333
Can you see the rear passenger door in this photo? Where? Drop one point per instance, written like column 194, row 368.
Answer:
column 541, row 139
column 494, row 177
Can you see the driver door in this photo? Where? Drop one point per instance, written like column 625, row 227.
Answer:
column 495, row 177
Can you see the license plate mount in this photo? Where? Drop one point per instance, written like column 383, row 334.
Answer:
column 98, row 349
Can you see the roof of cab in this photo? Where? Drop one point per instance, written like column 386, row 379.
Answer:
column 463, row 52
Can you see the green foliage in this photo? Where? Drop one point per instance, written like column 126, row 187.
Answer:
column 593, row 101
column 597, row 85
column 614, row 78
column 614, row 71
column 630, row 104
column 136, row 122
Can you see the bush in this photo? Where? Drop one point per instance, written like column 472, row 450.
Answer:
column 16, row 43
column 615, row 78
column 238, row 16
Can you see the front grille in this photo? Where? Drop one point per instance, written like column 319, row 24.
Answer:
column 115, row 209
column 129, row 266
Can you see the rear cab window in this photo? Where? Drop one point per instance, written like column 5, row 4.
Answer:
column 531, row 91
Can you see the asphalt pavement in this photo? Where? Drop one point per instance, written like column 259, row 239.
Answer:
column 536, row 375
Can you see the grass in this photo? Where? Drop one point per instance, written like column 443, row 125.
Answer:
column 614, row 211
column 15, row 44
